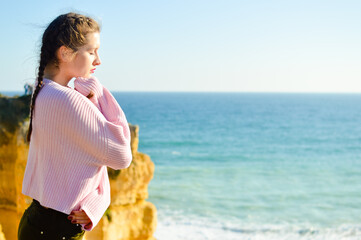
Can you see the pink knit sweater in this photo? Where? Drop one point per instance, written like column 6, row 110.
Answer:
column 73, row 141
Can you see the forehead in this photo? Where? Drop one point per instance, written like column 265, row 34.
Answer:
column 93, row 40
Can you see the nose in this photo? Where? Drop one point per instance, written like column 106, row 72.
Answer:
column 97, row 61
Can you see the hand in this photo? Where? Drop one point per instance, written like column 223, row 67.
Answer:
column 80, row 217
column 87, row 86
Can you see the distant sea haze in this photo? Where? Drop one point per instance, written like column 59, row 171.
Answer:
column 255, row 166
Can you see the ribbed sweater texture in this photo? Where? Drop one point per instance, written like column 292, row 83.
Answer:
column 74, row 140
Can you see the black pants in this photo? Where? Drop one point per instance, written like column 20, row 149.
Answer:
column 39, row 223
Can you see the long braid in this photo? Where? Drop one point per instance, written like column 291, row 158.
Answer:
column 39, row 84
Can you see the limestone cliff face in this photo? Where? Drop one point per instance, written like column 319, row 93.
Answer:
column 13, row 156
column 129, row 217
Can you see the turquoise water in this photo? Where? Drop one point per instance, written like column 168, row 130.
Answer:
column 252, row 166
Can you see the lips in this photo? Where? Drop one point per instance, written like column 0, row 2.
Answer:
column 92, row 71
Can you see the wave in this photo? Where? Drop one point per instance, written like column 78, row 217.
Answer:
column 176, row 226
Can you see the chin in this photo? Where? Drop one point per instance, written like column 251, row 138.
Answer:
column 87, row 76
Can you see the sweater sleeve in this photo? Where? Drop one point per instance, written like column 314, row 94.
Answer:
column 81, row 125
column 107, row 105
column 103, row 100
column 95, row 204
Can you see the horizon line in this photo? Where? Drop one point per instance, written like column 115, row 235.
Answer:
column 174, row 91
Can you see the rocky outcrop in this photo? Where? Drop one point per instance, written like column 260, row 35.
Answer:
column 13, row 156
column 129, row 216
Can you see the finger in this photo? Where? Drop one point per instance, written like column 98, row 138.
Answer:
column 84, row 221
column 80, row 219
column 88, row 226
column 77, row 212
column 78, row 215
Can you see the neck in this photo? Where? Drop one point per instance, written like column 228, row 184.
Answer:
column 56, row 76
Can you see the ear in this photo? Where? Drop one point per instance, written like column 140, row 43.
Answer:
column 65, row 54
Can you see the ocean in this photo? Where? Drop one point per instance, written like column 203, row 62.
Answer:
column 251, row 165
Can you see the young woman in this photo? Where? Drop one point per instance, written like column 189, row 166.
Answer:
column 74, row 135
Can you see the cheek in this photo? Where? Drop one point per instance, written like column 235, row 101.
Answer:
column 82, row 62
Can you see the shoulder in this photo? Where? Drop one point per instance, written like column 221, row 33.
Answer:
column 58, row 97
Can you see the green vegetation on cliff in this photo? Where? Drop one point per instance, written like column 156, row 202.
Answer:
column 13, row 112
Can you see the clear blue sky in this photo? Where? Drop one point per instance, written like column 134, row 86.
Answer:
column 200, row 45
